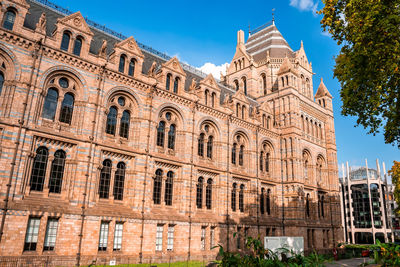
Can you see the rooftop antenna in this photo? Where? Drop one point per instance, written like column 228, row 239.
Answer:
column 273, row 16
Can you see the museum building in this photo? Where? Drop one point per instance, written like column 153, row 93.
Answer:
column 111, row 151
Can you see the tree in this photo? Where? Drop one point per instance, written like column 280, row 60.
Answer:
column 368, row 64
column 395, row 173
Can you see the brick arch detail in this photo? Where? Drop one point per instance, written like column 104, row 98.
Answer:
column 13, row 58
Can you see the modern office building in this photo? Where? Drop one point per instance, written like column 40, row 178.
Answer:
column 367, row 213
column 113, row 151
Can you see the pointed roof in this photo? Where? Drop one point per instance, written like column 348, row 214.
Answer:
column 210, row 81
column 239, row 95
column 267, row 39
column 77, row 22
column 265, row 106
column 174, row 65
column 287, row 66
column 129, row 44
column 322, row 91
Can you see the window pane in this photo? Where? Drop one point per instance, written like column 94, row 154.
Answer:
column 1, row 81
column 65, row 42
column 199, row 193
column 9, row 19
column 57, row 172
column 160, row 133
column 209, row 147
column 209, row 194
column 111, row 121
column 39, row 169
column 51, row 234
column 200, row 147
column 171, row 137
column 118, row 236
column 50, row 104
column 170, row 244
column 203, row 238
column 131, row 70
column 212, row 237
column 67, row 108
column 124, row 126
column 157, row 187
column 105, row 177
column 103, row 238
column 119, row 180
column 32, row 232
column 121, row 66
column 159, row 237
column 77, row 47
column 169, row 188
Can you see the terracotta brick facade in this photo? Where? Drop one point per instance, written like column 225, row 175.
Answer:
column 86, row 139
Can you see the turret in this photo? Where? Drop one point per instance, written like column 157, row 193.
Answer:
column 323, row 97
column 287, row 75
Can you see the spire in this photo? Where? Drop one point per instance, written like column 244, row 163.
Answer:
column 322, row 90
column 301, row 44
column 273, row 16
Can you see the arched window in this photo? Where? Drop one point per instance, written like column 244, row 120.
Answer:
column 241, row 155
column 263, row 121
column 9, row 19
column 213, row 96
column 267, row 162
column 199, row 193
column 39, row 169
column 308, row 205
column 131, row 68
column 111, row 120
column 236, row 82
column 234, row 153
column 268, row 122
column 124, row 125
column 210, row 147
column 65, row 41
column 233, row 197
column 161, row 133
column 200, row 147
column 157, row 186
column 206, row 93
column 209, row 193
column 243, row 112
column 306, row 169
column 319, row 206
column 268, row 208
column 261, row 160
column 171, row 136
column 50, row 104
column 176, row 85
column 241, row 198
column 322, row 206
column 67, row 108
column 262, row 201
column 168, row 188
column 57, row 172
column 283, row 81
column 105, row 178
column 1, row 81
column 121, row 66
column 264, row 83
column 119, row 181
column 237, row 110
column 244, row 85
column 168, row 83
column 77, row 46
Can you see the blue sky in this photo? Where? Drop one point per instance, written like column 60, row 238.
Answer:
column 201, row 32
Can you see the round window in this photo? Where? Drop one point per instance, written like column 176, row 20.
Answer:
column 206, row 128
column 121, row 101
column 63, row 82
column 168, row 116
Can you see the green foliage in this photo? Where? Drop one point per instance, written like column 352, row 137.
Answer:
column 257, row 256
column 368, row 64
column 395, row 173
column 387, row 255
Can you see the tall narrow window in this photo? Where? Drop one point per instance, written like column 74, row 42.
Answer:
column 262, row 201
column 39, row 169
column 199, row 193
column 67, row 108
column 176, row 85
column 51, row 234
column 236, row 85
column 243, row 112
column 209, row 194
column 57, row 172
column 65, row 41
column 161, row 133
column 1, row 81
column 319, row 206
column 209, row 147
column 241, row 154
column 121, row 66
column 267, row 162
column 212, row 237
column 119, row 180
column 244, row 85
column 169, row 185
column 268, row 202
column 233, row 197
column 261, row 161
column 200, row 147
column 170, row 241
column 119, row 229
column 264, row 83
column 131, row 68
column 308, row 205
column 206, row 93
column 322, row 206
column 32, row 232
column 159, row 237
column 77, row 46
column 124, row 125
column 241, row 198
column 237, row 110
column 111, row 123
column 234, row 153
column 203, row 238
column 213, row 97
column 103, row 237
column 105, row 178
column 157, row 187
column 50, row 104
column 306, row 168
column 168, row 82
column 9, row 19
column 171, row 136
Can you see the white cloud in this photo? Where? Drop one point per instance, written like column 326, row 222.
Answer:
column 305, row 5
column 213, row 69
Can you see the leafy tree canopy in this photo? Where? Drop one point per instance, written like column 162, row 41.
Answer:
column 395, row 173
column 368, row 64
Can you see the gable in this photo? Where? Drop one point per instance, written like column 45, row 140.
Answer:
column 77, row 22
column 239, row 95
column 265, row 107
column 209, row 81
column 130, row 46
column 174, row 65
